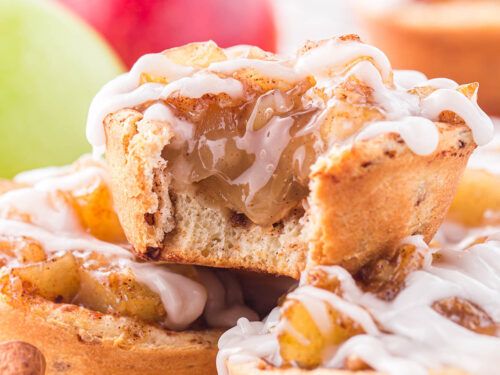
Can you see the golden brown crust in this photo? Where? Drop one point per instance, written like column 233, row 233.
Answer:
column 461, row 36
column 133, row 160
column 378, row 188
column 75, row 340
column 261, row 368
column 367, row 199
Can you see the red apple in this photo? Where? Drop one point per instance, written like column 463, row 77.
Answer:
column 136, row 27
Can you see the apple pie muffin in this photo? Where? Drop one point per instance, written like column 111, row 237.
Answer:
column 245, row 159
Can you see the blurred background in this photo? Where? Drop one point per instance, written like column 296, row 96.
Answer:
column 56, row 54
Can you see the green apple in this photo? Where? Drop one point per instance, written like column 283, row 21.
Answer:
column 51, row 65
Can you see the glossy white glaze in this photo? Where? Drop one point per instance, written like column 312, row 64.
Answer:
column 452, row 100
column 329, row 64
column 414, row 334
column 421, row 135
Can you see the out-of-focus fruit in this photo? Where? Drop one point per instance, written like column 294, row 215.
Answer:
column 95, row 210
column 51, row 66
column 136, row 27
column 477, row 194
column 56, row 280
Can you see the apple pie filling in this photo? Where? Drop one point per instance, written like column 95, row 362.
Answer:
column 253, row 158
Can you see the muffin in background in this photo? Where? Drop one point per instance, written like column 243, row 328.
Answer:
column 455, row 38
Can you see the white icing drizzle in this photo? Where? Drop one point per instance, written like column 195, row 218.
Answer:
column 203, row 83
column 333, row 56
column 448, row 99
column 42, row 212
column 33, row 176
column 158, row 112
column 37, row 205
column 249, row 341
column 397, row 104
column 415, row 338
column 421, row 135
column 54, row 243
column 330, row 63
column 124, row 91
column 408, row 79
column 183, row 130
column 183, row 299
column 439, row 83
column 102, row 105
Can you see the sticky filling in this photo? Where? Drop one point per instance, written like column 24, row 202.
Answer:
column 253, row 158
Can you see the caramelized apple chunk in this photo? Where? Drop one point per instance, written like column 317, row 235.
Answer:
column 303, row 343
column 24, row 250
column 88, row 279
column 467, row 314
column 57, row 279
column 119, row 293
column 197, row 55
column 385, row 276
column 319, row 278
column 91, row 283
column 94, row 207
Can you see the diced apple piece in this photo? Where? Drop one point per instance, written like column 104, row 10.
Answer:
column 25, row 250
column 30, row 251
column 467, row 314
column 301, row 341
column 97, row 215
column 198, row 55
column 119, row 293
column 135, row 299
column 56, row 280
column 321, row 279
column 93, row 293
column 477, row 193
column 468, row 89
column 386, row 276
column 150, row 78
